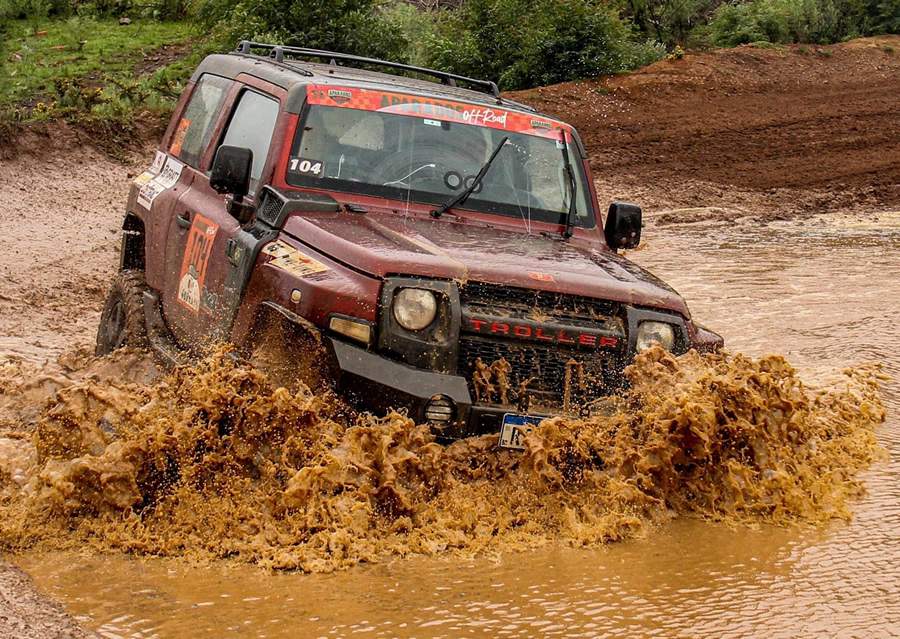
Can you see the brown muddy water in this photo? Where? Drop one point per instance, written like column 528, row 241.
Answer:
column 824, row 292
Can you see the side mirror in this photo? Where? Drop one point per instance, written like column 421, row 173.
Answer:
column 231, row 171
column 231, row 174
column 623, row 226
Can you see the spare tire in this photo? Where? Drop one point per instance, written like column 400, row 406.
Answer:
column 122, row 321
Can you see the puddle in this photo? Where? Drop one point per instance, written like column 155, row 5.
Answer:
column 823, row 292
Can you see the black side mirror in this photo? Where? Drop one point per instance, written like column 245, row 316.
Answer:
column 623, row 226
column 231, row 171
column 231, row 174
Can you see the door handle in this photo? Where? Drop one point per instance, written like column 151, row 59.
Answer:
column 184, row 220
column 234, row 252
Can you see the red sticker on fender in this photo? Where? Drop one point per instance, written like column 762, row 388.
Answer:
column 196, row 258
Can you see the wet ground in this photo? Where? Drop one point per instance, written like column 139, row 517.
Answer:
column 823, row 291
column 735, row 129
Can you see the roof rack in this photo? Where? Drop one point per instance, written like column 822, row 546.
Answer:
column 278, row 52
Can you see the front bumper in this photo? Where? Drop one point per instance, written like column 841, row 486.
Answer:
column 377, row 383
column 380, row 384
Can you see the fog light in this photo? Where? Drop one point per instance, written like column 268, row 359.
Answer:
column 352, row 328
column 440, row 410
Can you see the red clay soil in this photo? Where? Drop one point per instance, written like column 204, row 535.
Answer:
column 783, row 130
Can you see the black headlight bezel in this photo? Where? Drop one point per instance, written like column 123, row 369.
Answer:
column 636, row 316
column 434, row 347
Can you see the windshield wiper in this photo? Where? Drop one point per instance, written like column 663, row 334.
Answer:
column 570, row 214
column 466, row 192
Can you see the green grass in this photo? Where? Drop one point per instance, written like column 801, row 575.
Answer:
column 95, row 74
column 76, row 50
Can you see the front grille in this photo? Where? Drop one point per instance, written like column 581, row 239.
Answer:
column 482, row 295
column 545, row 366
column 593, row 372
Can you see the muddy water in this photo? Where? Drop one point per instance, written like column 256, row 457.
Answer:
column 823, row 292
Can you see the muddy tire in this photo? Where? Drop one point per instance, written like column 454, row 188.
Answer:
column 122, row 321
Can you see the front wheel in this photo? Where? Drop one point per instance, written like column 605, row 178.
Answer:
column 122, row 321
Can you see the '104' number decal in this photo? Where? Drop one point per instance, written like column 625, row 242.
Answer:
column 306, row 167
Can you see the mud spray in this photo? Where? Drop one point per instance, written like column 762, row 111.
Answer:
column 214, row 461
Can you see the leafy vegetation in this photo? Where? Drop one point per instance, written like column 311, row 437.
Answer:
column 525, row 43
column 92, row 71
column 72, row 59
column 812, row 21
column 358, row 26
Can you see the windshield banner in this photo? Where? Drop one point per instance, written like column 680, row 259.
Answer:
column 436, row 109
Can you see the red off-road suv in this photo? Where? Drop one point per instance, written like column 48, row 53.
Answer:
column 442, row 244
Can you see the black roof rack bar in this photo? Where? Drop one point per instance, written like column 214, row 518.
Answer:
column 278, row 52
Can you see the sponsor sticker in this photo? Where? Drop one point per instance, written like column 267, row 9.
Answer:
column 158, row 160
column 143, row 178
column 178, row 137
column 149, row 192
column 151, row 188
column 170, row 173
column 341, row 96
column 434, row 109
column 484, row 117
column 193, row 264
column 287, row 258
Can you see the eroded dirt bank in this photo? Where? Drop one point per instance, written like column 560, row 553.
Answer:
column 772, row 132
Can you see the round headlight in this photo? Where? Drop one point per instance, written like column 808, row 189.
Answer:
column 650, row 332
column 414, row 308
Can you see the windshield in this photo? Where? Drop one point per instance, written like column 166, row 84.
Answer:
column 430, row 151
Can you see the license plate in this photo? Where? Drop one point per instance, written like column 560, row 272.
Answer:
column 514, row 428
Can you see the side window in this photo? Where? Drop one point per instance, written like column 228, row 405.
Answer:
column 251, row 127
column 195, row 128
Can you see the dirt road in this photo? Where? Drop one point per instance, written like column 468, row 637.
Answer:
column 60, row 217
column 758, row 132
column 27, row 614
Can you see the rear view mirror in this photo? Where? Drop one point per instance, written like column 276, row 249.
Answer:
column 231, row 171
column 623, row 226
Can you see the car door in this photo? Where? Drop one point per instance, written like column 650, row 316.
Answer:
column 195, row 297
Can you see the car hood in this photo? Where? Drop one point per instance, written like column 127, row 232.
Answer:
column 383, row 244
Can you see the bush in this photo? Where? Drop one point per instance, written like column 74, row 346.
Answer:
column 525, row 43
column 812, row 21
column 352, row 26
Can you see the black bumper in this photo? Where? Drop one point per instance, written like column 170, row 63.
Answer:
column 378, row 384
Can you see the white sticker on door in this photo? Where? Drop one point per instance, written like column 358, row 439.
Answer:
column 166, row 179
column 170, row 173
column 158, row 160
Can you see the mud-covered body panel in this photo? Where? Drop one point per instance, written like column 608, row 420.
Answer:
column 335, row 290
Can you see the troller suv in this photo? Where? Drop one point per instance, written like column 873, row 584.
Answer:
column 442, row 244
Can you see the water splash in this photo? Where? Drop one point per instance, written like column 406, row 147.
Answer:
column 214, row 461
